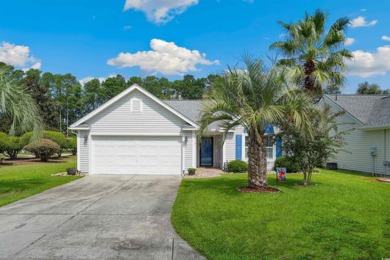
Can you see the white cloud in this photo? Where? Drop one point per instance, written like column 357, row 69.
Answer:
column 363, row 9
column 386, row 38
column 165, row 57
column 366, row 64
column 360, row 21
column 85, row 80
column 160, row 11
column 18, row 56
column 349, row 41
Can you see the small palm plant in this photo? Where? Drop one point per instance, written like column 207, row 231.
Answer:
column 17, row 104
column 255, row 98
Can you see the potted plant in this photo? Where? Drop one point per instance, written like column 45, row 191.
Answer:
column 191, row 171
column 71, row 171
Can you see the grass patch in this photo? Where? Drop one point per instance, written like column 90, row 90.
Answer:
column 21, row 181
column 344, row 215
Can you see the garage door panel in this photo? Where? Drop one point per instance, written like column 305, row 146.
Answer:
column 136, row 155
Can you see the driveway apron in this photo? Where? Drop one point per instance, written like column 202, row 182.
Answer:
column 96, row 217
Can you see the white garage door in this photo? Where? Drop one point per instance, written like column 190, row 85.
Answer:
column 136, row 155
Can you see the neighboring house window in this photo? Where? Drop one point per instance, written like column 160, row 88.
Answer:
column 269, row 146
column 135, row 105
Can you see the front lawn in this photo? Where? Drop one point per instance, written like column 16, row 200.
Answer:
column 344, row 216
column 21, row 181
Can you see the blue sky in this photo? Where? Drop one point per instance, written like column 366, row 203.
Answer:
column 175, row 37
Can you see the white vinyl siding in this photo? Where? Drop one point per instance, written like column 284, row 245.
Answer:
column 188, row 150
column 118, row 118
column 230, row 146
column 357, row 156
column 136, row 155
column 83, row 151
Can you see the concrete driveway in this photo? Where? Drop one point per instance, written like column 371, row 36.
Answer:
column 96, row 217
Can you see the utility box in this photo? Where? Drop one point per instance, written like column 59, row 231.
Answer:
column 373, row 151
column 331, row 166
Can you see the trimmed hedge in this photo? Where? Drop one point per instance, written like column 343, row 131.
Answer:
column 10, row 145
column 44, row 148
column 71, row 144
column 237, row 166
column 287, row 162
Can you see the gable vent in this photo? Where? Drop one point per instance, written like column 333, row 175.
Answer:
column 136, row 105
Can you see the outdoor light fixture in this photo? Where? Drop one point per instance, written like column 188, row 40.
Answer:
column 85, row 139
column 186, row 139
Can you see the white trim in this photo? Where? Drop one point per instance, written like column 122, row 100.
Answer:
column 133, row 134
column 223, row 153
column 373, row 128
column 124, row 93
column 182, row 154
column 78, row 151
column 90, row 163
column 80, row 128
column 189, row 128
column 194, row 149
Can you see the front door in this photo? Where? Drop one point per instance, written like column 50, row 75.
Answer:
column 206, row 151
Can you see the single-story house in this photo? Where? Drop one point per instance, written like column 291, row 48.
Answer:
column 368, row 143
column 137, row 133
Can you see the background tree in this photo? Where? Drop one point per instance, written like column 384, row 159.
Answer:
column 255, row 97
column 370, row 89
column 315, row 58
column 310, row 150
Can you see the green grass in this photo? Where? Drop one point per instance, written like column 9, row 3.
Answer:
column 21, row 181
column 344, row 215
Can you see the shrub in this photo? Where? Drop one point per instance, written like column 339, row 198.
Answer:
column 3, row 142
column 44, row 148
column 71, row 144
column 25, row 139
column 289, row 163
column 58, row 138
column 237, row 166
column 10, row 145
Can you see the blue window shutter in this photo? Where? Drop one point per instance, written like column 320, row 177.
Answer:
column 278, row 144
column 238, row 147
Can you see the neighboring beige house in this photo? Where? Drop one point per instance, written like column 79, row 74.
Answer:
column 137, row 133
column 368, row 144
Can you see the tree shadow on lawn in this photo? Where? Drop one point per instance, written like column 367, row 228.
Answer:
column 229, row 186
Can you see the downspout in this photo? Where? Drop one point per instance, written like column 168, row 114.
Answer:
column 385, row 159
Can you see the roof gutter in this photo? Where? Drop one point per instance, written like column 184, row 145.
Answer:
column 373, row 128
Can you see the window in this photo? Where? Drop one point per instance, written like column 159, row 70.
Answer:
column 269, row 146
column 135, row 105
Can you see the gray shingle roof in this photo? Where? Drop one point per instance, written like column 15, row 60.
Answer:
column 190, row 109
column 371, row 110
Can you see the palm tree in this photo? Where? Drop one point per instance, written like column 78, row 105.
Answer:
column 255, row 98
column 315, row 57
column 17, row 104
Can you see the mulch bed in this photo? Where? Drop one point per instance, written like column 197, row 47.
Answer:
column 258, row 190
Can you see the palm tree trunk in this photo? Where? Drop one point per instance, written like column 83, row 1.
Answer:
column 257, row 161
column 309, row 68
